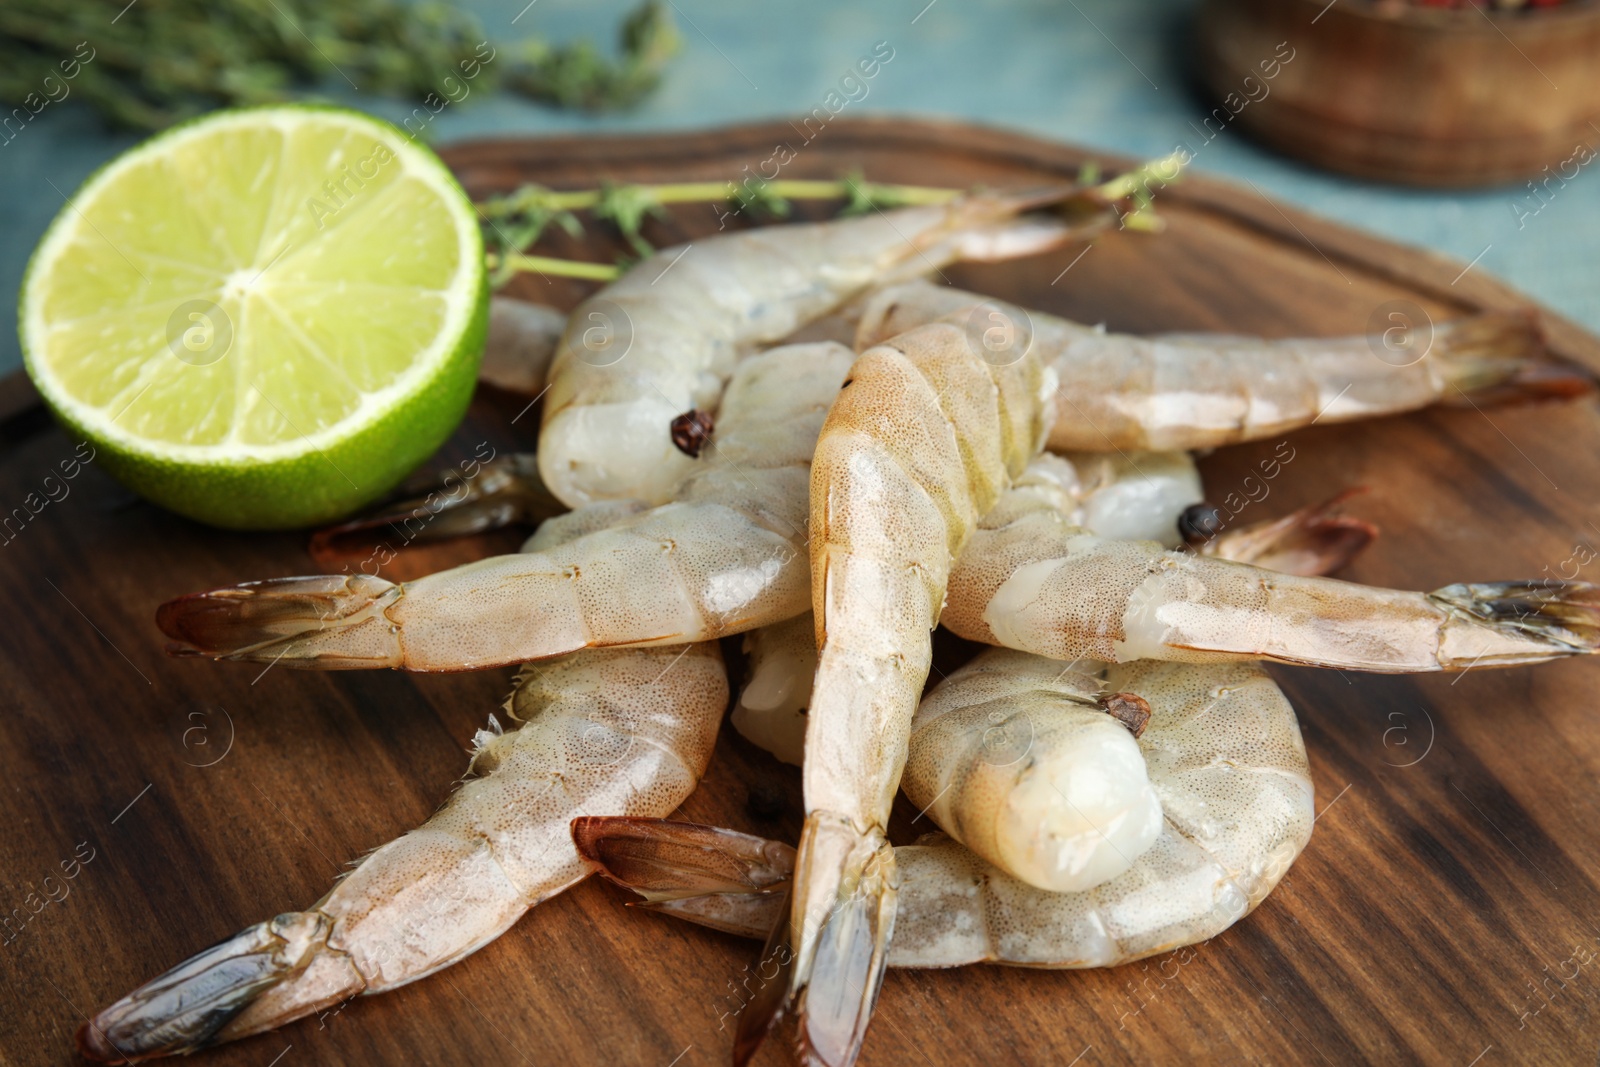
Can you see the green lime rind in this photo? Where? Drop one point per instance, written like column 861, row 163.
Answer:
column 317, row 487
column 319, row 483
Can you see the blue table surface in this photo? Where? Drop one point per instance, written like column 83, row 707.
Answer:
column 1099, row 73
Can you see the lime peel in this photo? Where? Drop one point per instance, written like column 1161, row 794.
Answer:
column 334, row 274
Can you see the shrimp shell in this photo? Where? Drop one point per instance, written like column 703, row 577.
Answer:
column 522, row 341
column 1119, row 391
column 725, row 556
column 1033, row 581
column 661, row 340
column 603, row 731
column 1139, row 495
column 924, row 438
column 1224, row 753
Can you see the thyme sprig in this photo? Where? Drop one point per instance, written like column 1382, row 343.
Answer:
column 156, row 62
column 515, row 221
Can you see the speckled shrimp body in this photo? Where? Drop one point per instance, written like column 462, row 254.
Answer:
column 726, row 555
column 1137, row 495
column 1019, row 759
column 1221, row 751
column 603, row 731
column 922, row 441
column 662, row 339
column 1187, row 391
column 1032, row 580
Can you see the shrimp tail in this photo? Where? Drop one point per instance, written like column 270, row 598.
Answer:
column 733, row 882
column 327, row 621
column 1313, row 541
column 1533, row 621
column 846, row 891
column 505, row 492
column 1500, row 357
column 262, row 977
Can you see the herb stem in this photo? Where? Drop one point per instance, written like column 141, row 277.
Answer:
column 1138, row 180
column 702, row 192
column 561, row 268
column 530, row 209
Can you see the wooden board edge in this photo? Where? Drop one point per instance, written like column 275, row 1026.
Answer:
column 1437, row 276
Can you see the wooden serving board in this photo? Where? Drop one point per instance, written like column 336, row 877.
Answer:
column 1445, row 912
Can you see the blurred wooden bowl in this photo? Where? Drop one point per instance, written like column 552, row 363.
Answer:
column 1419, row 95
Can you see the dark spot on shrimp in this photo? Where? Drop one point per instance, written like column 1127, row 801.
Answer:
column 1130, row 709
column 691, row 431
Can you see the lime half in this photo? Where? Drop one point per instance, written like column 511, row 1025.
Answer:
column 262, row 318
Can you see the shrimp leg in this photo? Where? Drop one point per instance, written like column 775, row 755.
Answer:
column 727, row 555
column 660, row 341
column 1188, row 391
column 924, row 438
column 602, row 732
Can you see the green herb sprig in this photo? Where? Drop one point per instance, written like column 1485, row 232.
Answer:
column 515, row 221
column 156, row 62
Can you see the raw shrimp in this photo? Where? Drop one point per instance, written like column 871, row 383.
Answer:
column 604, row 731
column 1138, row 496
column 1019, row 760
column 771, row 711
column 1032, row 580
column 522, row 341
column 922, row 441
column 1223, row 755
column 931, row 429
column 727, row 555
column 1187, row 391
column 659, row 342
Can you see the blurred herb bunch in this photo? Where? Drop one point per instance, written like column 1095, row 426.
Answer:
column 151, row 63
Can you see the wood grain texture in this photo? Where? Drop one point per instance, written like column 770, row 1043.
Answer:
column 1429, row 921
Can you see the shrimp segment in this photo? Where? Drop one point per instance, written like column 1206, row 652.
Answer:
column 923, row 439
column 726, row 556
column 1223, row 752
column 603, row 731
column 1031, row 580
column 1142, row 494
column 662, row 339
column 1189, row 391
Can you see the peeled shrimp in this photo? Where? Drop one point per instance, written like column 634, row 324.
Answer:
column 660, row 341
column 922, row 441
column 1187, row 391
column 1032, row 580
column 1221, row 752
column 726, row 555
column 603, row 732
